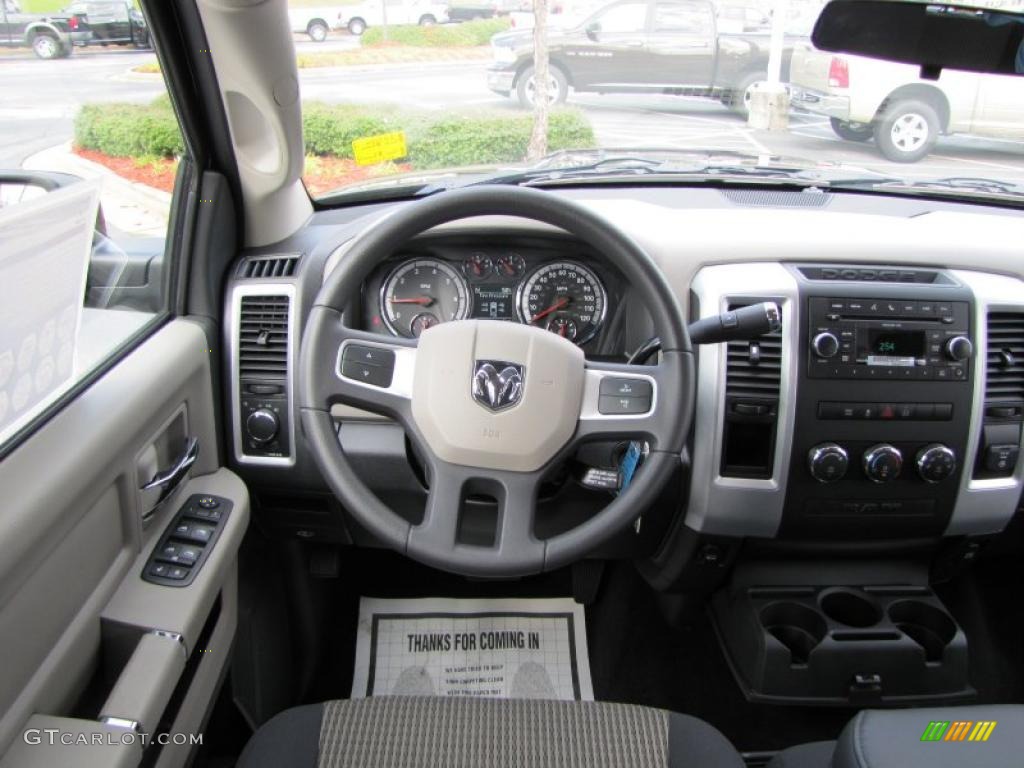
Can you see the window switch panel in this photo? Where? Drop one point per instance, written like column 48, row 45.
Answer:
column 187, row 541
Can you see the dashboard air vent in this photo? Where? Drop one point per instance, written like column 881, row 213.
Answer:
column 758, row 198
column 263, row 337
column 262, row 267
column 1004, row 361
column 753, row 368
column 753, row 375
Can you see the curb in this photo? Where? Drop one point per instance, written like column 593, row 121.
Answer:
column 61, row 156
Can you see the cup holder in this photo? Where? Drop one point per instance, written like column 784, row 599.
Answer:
column 925, row 624
column 850, row 607
column 796, row 626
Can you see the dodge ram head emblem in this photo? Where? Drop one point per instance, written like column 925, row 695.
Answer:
column 497, row 384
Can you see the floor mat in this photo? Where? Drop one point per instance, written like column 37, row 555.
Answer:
column 499, row 648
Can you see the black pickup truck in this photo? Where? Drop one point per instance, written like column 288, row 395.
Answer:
column 639, row 46
column 50, row 36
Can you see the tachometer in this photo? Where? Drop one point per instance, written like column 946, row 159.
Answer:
column 422, row 293
column 564, row 297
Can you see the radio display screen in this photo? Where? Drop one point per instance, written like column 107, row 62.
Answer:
column 896, row 343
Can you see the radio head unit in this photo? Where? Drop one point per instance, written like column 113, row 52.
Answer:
column 889, row 339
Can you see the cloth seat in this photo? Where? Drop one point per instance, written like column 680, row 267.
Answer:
column 428, row 732
column 934, row 737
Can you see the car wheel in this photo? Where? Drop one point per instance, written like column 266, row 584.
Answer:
column 317, row 31
column 356, row 27
column 558, row 88
column 46, row 46
column 738, row 100
column 427, row 21
column 852, row 131
column 907, row 131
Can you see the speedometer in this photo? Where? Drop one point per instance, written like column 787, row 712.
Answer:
column 421, row 293
column 564, row 297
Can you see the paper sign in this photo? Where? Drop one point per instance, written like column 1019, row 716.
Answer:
column 44, row 261
column 378, row 149
column 521, row 649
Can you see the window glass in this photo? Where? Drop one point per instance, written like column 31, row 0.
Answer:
column 84, row 105
column 682, row 17
column 625, row 18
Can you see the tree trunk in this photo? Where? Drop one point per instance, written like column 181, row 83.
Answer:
column 538, row 146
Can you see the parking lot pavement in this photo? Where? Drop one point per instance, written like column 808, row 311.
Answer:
column 42, row 97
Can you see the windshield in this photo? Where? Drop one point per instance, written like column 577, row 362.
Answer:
column 401, row 95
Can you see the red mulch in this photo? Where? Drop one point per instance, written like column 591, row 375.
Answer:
column 158, row 174
column 324, row 175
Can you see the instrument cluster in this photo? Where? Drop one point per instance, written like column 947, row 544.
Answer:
column 563, row 295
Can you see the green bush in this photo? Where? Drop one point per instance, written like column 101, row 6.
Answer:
column 437, row 139
column 129, row 130
column 434, row 139
column 468, row 34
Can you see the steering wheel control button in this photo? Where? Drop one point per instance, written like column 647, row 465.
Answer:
column 370, row 365
column 882, row 463
column 828, row 462
column 627, row 388
column 187, row 541
column 358, row 353
column 935, row 462
column 613, row 405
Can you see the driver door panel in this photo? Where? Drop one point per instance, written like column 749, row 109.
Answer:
column 73, row 605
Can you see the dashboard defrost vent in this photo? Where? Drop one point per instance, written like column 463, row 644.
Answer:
column 262, row 267
column 1004, row 361
column 756, row 198
column 263, row 337
column 753, row 376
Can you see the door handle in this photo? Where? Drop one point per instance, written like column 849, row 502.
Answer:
column 169, row 479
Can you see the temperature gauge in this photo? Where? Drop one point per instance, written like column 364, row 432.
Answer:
column 510, row 265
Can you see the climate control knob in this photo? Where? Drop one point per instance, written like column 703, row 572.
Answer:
column 828, row 462
column 935, row 462
column 262, row 425
column 825, row 345
column 959, row 348
column 882, row 463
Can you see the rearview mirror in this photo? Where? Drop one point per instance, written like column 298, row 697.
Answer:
column 931, row 35
column 593, row 30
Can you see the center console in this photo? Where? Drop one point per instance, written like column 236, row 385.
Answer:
column 885, row 417
column 882, row 420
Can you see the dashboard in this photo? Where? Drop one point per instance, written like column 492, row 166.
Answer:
column 889, row 406
column 555, row 283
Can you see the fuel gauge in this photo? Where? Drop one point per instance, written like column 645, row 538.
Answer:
column 477, row 265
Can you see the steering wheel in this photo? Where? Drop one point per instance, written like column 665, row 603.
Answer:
column 493, row 406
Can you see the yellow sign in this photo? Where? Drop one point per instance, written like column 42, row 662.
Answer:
column 378, row 149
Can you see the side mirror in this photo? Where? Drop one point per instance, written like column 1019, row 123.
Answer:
column 933, row 36
column 593, row 30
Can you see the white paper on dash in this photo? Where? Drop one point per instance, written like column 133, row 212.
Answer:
column 507, row 648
